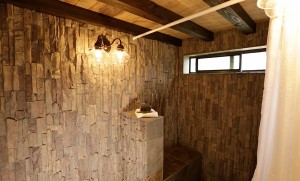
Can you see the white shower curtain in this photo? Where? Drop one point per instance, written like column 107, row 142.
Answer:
column 278, row 155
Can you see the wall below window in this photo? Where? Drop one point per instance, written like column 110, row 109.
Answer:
column 60, row 110
column 219, row 114
column 219, row 117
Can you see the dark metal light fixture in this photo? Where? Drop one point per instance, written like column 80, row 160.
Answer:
column 103, row 46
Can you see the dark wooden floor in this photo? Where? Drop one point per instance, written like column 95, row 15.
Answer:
column 182, row 164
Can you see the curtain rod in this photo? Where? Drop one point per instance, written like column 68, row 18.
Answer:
column 201, row 13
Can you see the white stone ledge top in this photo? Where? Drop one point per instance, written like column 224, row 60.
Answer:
column 131, row 115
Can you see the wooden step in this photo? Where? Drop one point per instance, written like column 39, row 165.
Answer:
column 182, row 164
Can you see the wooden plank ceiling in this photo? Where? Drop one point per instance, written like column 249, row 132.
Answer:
column 139, row 16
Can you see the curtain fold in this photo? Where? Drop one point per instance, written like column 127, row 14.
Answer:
column 278, row 155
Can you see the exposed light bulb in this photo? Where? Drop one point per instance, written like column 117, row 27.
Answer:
column 98, row 55
column 120, row 56
column 101, row 55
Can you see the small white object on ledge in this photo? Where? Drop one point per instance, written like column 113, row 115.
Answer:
column 152, row 114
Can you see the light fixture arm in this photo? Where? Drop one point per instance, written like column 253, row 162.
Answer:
column 103, row 43
column 115, row 40
column 120, row 47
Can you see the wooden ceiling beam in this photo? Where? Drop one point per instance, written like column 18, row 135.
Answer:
column 65, row 10
column 151, row 11
column 236, row 15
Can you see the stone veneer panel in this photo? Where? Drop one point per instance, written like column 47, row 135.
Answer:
column 60, row 110
column 219, row 114
column 220, row 119
column 143, row 151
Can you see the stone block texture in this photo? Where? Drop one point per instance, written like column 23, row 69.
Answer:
column 60, row 109
column 143, row 151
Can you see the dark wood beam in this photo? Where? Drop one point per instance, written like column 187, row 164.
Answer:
column 65, row 10
column 236, row 15
column 149, row 10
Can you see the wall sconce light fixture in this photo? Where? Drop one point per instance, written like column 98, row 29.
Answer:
column 103, row 46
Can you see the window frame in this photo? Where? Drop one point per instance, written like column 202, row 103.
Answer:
column 225, row 54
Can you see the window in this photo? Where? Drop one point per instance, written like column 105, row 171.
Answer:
column 254, row 61
column 193, row 65
column 235, row 61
